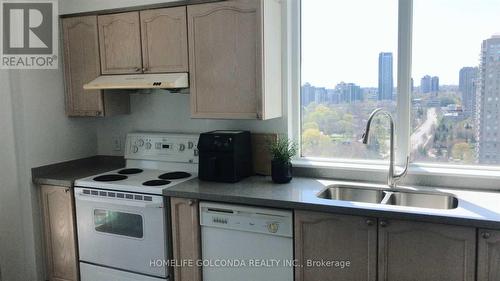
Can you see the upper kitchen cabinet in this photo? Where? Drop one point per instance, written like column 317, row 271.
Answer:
column 164, row 40
column 235, row 59
column 81, row 65
column 120, row 43
column 150, row 41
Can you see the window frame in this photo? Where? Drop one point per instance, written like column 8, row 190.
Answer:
column 483, row 176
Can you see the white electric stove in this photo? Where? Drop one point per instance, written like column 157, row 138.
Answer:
column 146, row 181
column 121, row 214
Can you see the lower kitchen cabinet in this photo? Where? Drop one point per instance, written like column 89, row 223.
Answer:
column 186, row 237
column 60, row 233
column 331, row 237
column 406, row 250
column 488, row 255
column 426, row 251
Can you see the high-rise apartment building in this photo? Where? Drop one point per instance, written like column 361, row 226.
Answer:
column 320, row 95
column 385, row 76
column 349, row 92
column 310, row 94
column 307, row 94
column 425, row 84
column 429, row 84
column 488, row 103
column 467, row 86
column 434, row 84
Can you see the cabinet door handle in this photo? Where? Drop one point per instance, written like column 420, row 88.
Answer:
column 486, row 235
column 66, row 190
column 190, row 202
column 138, row 69
column 369, row 222
column 144, row 69
column 384, row 223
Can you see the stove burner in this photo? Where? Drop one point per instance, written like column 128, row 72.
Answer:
column 130, row 171
column 174, row 175
column 155, row 182
column 110, row 177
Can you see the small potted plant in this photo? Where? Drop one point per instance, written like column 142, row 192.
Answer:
column 282, row 150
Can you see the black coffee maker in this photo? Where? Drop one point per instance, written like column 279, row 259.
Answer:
column 225, row 156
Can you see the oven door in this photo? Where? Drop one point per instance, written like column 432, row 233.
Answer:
column 121, row 230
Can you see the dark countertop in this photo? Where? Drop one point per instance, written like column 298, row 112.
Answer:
column 475, row 208
column 65, row 173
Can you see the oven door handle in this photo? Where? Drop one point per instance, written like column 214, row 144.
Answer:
column 122, row 202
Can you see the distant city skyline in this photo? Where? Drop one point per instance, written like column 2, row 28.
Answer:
column 441, row 47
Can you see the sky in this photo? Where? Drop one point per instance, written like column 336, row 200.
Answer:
column 341, row 39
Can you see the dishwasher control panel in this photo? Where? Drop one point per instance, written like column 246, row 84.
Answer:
column 242, row 218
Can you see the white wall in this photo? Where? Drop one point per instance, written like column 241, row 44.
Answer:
column 165, row 112
column 43, row 135
column 34, row 132
column 11, row 224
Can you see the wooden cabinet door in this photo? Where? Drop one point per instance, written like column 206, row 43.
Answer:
column 81, row 65
column 225, row 59
column 164, row 40
column 329, row 237
column 488, row 255
column 59, row 231
column 426, row 251
column 186, row 237
column 120, row 43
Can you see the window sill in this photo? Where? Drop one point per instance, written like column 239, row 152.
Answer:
column 451, row 176
column 454, row 171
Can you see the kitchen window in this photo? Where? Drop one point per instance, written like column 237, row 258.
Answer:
column 346, row 73
column 433, row 64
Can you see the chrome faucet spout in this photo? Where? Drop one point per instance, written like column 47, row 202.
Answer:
column 392, row 178
column 366, row 135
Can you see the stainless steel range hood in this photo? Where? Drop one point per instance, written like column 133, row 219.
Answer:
column 139, row 81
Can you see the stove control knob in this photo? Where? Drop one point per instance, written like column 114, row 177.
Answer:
column 148, row 146
column 135, row 149
column 273, row 227
column 182, row 147
column 140, row 142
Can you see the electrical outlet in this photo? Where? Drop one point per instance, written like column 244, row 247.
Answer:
column 117, row 145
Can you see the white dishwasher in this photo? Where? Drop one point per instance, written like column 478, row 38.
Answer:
column 245, row 243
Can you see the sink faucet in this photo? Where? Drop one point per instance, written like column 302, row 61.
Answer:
column 393, row 178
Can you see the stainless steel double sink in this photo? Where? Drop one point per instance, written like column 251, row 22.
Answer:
column 397, row 197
